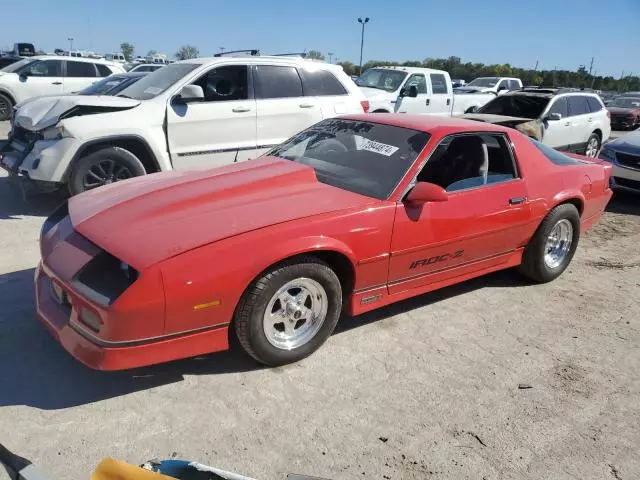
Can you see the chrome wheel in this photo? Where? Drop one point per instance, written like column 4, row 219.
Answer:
column 105, row 172
column 558, row 244
column 295, row 313
column 592, row 147
column 5, row 109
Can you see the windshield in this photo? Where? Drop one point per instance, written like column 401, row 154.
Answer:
column 484, row 82
column 157, row 82
column 14, row 67
column 628, row 102
column 111, row 85
column 361, row 157
column 516, row 106
column 383, row 79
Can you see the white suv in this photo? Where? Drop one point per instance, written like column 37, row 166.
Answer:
column 48, row 75
column 193, row 113
column 564, row 119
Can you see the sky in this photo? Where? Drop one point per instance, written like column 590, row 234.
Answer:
column 554, row 33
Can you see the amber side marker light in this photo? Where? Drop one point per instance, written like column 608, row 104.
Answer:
column 202, row 306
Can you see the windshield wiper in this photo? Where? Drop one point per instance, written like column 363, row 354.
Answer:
column 124, row 96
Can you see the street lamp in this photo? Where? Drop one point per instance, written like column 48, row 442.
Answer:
column 70, row 44
column 330, row 55
column 363, row 22
column 222, row 49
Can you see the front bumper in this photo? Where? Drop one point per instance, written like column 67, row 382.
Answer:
column 625, row 179
column 61, row 319
column 41, row 160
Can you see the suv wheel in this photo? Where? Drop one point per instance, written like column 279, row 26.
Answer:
column 5, row 107
column 593, row 146
column 107, row 165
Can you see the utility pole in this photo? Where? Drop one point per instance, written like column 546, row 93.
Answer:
column 535, row 69
column 591, row 66
column 554, row 75
column 221, row 49
column 330, row 55
column 70, row 44
column 363, row 22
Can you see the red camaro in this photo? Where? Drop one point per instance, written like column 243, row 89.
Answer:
column 349, row 215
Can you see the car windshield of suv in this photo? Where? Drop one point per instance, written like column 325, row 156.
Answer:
column 157, row 82
column 483, row 82
column 362, row 157
column 14, row 67
column 629, row 102
column 383, row 79
column 110, row 85
column 522, row 106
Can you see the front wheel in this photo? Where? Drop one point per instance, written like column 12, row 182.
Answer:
column 552, row 247
column 289, row 312
column 107, row 165
column 5, row 107
column 593, row 146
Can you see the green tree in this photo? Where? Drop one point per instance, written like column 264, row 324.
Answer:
column 349, row 68
column 315, row 55
column 186, row 52
column 127, row 50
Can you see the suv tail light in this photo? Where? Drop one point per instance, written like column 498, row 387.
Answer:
column 365, row 105
column 608, row 113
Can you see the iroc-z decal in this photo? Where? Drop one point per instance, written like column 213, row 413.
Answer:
column 437, row 259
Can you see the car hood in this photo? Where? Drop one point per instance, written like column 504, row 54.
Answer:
column 44, row 112
column 377, row 94
column 472, row 89
column 629, row 143
column 147, row 219
column 497, row 119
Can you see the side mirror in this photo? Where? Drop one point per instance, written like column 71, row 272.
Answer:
column 554, row 117
column 411, row 92
column 24, row 75
column 190, row 93
column 471, row 109
column 502, row 88
column 425, row 192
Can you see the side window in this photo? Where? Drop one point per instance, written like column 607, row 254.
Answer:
column 80, row 69
column 417, row 80
column 439, row 83
column 594, row 104
column 45, row 68
column 514, row 85
column 321, row 83
column 103, row 70
column 560, row 106
column 469, row 161
column 578, row 105
column 225, row 83
column 277, row 82
column 503, row 84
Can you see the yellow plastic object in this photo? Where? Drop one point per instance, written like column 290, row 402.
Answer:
column 110, row 469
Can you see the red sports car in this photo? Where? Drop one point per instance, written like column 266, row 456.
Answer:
column 349, row 215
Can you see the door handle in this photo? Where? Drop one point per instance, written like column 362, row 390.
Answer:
column 448, row 101
column 568, row 124
column 241, row 109
column 517, row 200
column 428, row 102
column 56, row 83
column 307, row 105
column 590, row 120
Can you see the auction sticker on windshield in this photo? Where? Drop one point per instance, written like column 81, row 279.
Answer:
column 153, row 90
column 377, row 147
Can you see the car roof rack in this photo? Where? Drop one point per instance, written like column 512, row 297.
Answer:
column 302, row 55
column 251, row 53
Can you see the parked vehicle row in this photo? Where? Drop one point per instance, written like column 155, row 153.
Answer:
column 624, row 154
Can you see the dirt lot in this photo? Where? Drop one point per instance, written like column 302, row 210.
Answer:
column 428, row 388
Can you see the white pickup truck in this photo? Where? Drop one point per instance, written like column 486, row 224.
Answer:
column 495, row 85
column 417, row 90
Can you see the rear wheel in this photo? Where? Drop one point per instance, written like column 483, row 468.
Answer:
column 106, row 166
column 287, row 313
column 552, row 247
column 6, row 105
column 593, row 146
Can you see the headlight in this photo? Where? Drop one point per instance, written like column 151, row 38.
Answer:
column 607, row 154
column 54, row 133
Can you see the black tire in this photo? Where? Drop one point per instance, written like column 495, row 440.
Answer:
column 533, row 261
column 116, row 163
column 380, row 111
column 249, row 315
column 593, row 138
column 6, row 105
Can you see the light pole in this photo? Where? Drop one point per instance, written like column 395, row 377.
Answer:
column 330, row 55
column 363, row 22
column 70, row 44
column 221, row 49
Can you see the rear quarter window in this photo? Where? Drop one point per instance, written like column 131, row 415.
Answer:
column 594, row 104
column 321, row 83
column 554, row 156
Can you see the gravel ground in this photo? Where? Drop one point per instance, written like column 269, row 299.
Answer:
column 428, row 388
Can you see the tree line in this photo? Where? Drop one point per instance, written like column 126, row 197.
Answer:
column 548, row 78
column 185, row 52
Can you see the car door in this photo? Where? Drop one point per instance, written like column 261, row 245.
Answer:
column 421, row 103
column 40, row 78
column 557, row 133
column 79, row 75
column 502, row 87
column 282, row 108
column 441, row 95
column 485, row 218
column 580, row 122
column 219, row 130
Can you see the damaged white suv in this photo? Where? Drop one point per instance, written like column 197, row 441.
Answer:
column 194, row 113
